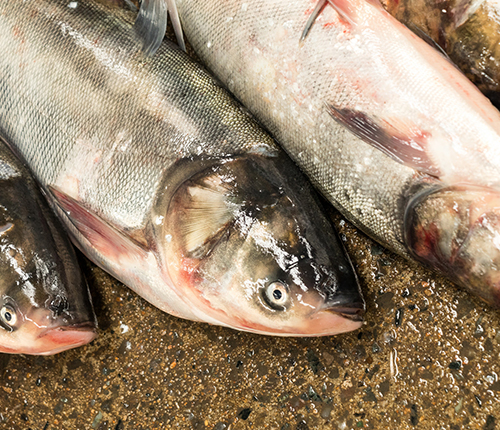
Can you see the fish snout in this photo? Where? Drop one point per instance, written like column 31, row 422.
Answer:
column 342, row 294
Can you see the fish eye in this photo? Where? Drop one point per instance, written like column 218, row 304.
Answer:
column 8, row 315
column 277, row 296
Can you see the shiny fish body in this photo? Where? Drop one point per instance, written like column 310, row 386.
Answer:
column 349, row 72
column 163, row 179
column 468, row 31
column 45, row 304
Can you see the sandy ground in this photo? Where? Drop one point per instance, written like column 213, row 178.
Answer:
column 427, row 358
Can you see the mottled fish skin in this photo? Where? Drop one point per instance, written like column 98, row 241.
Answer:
column 468, row 31
column 164, row 180
column 302, row 92
column 45, row 304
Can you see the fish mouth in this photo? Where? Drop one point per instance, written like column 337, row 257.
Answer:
column 355, row 313
column 58, row 339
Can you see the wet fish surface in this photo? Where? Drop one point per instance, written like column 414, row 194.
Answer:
column 359, row 105
column 468, row 31
column 45, row 304
column 164, row 180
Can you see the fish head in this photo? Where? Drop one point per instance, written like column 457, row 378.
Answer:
column 45, row 305
column 251, row 248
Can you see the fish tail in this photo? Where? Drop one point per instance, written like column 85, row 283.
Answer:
column 456, row 229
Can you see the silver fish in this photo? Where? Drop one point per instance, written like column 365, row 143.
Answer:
column 467, row 30
column 45, row 305
column 388, row 129
column 164, row 180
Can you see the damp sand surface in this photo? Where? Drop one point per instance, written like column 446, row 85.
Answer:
column 427, row 357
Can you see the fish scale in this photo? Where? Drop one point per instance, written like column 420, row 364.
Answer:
column 358, row 178
column 127, row 179
column 164, row 180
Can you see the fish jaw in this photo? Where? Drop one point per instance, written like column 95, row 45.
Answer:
column 330, row 322
column 59, row 339
column 40, row 334
column 457, row 231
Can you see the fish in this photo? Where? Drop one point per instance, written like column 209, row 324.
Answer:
column 385, row 126
column 164, row 180
column 45, row 303
column 467, row 31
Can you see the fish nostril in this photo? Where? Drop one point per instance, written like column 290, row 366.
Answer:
column 58, row 305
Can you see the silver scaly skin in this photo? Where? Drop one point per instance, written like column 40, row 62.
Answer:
column 164, row 180
column 386, row 128
column 468, row 31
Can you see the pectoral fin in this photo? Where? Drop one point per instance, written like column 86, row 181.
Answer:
column 405, row 143
column 201, row 212
column 103, row 237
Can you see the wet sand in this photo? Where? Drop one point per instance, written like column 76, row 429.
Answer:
column 427, row 358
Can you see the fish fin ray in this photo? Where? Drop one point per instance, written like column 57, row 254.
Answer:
column 207, row 213
column 343, row 7
column 106, row 239
column 176, row 23
column 463, row 10
column 405, row 147
column 151, row 24
column 131, row 5
column 310, row 21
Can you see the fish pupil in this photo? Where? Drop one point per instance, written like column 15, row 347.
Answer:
column 277, row 294
column 8, row 316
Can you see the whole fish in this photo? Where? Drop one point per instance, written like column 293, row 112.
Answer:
column 467, row 30
column 164, row 180
column 388, row 129
column 45, row 305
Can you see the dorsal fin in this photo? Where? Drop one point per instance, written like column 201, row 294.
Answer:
column 151, row 24
column 345, row 8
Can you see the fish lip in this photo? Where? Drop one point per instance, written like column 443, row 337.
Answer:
column 87, row 326
column 353, row 315
column 83, row 326
column 63, row 338
column 353, row 312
